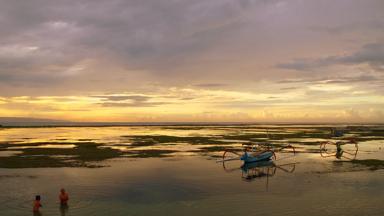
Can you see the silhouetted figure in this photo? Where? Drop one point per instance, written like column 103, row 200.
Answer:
column 63, row 197
column 339, row 150
column 37, row 205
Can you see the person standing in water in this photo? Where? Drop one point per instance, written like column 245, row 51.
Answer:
column 37, row 205
column 63, row 197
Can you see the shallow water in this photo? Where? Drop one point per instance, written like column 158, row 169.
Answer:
column 186, row 180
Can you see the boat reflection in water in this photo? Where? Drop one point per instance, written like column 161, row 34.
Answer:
column 261, row 170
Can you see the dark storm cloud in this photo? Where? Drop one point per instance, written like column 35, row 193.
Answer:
column 371, row 54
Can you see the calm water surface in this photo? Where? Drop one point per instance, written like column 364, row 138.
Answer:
column 187, row 180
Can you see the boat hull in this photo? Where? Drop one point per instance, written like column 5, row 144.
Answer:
column 264, row 156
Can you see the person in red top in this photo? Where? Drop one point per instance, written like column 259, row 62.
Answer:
column 63, row 197
column 37, row 204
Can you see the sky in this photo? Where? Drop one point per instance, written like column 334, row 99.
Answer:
column 193, row 60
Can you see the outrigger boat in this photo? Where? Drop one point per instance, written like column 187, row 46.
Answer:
column 256, row 163
column 254, row 153
column 342, row 147
column 250, row 157
column 335, row 149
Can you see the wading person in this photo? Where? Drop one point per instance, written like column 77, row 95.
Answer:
column 37, row 205
column 63, row 197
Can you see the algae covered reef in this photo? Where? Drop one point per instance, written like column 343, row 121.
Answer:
column 93, row 146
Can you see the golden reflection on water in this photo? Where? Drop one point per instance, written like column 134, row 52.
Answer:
column 186, row 179
column 190, row 186
column 63, row 146
column 72, row 134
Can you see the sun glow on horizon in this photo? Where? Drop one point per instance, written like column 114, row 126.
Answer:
column 197, row 105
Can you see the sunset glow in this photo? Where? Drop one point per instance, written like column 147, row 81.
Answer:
column 193, row 61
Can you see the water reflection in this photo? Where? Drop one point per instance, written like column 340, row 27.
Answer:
column 64, row 209
column 37, row 213
column 193, row 186
column 261, row 170
column 252, row 171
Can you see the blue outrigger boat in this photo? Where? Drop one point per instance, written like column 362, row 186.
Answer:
column 250, row 157
column 253, row 154
column 257, row 163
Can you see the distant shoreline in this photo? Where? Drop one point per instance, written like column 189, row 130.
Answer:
column 139, row 124
column 26, row 122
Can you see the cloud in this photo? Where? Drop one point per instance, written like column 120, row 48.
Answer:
column 368, row 25
column 132, row 104
column 128, row 101
column 133, row 31
column 335, row 79
column 187, row 57
column 187, row 98
column 211, row 85
column 289, row 88
column 371, row 54
column 138, row 98
column 357, row 79
column 116, row 44
column 127, row 41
